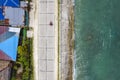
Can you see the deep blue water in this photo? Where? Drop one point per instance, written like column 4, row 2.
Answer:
column 97, row 39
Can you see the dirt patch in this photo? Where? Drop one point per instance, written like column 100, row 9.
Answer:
column 3, row 64
column 5, row 70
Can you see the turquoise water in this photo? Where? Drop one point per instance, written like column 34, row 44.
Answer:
column 97, row 39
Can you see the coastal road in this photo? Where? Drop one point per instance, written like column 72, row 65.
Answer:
column 45, row 39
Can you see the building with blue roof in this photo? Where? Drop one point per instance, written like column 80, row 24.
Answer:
column 1, row 14
column 9, row 37
column 11, row 3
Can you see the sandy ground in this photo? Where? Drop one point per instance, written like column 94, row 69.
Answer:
column 33, row 23
column 56, row 41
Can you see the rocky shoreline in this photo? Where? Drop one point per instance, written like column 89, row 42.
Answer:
column 66, row 50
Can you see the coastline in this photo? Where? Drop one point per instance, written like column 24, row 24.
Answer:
column 66, row 64
column 71, row 41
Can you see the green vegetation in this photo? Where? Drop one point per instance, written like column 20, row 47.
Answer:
column 23, row 67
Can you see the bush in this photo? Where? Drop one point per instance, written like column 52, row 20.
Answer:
column 25, row 59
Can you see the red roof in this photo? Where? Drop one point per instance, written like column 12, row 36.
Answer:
column 3, row 56
column 3, row 29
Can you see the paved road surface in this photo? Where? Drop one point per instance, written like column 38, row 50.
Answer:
column 45, row 40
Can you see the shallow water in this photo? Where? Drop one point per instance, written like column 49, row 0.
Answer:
column 97, row 39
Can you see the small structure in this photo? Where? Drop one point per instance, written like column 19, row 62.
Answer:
column 29, row 33
column 23, row 4
column 15, row 16
column 12, row 12
column 9, row 37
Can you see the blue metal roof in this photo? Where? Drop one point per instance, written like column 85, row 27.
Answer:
column 10, row 43
column 12, row 3
column 1, row 2
column 1, row 14
column 10, row 47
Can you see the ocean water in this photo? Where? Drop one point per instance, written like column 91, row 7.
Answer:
column 97, row 39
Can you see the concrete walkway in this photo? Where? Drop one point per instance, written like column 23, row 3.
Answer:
column 44, row 22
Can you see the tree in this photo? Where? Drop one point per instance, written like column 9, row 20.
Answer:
column 20, row 49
